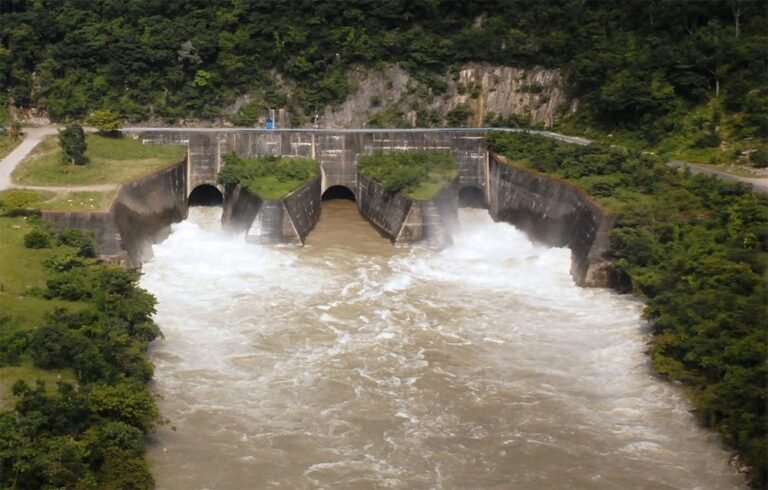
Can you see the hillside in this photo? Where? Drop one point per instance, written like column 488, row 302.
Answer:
column 638, row 67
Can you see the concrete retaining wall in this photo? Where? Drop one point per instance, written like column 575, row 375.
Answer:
column 407, row 221
column 555, row 213
column 288, row 220
column 140, row 215
column 337, row 151
column 302, row 209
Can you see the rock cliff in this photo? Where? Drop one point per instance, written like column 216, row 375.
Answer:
column 483, row 91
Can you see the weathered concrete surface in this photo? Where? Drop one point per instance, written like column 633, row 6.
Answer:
column 407, row 221
column 288, row 220
column 555, row 213
column 302, row 209
column 336, row 151
column 140, row 215
column 145, row 208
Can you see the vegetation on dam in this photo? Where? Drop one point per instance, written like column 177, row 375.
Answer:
column 697, row 249
column 417, row 174
column 110, row 161
column 75, row 409
column 268, row 177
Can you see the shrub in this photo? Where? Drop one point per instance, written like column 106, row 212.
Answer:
column 38, row 238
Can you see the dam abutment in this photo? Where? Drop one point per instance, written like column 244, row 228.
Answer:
column 140, row 215
column 555, row 213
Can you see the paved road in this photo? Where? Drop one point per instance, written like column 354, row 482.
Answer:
column 32, row 136
column 759, row 184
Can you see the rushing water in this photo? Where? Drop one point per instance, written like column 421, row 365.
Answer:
column 350, row 364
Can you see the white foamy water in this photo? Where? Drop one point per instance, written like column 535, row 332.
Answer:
column 349, row 364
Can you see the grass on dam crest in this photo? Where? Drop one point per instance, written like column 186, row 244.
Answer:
column 110, row 161
column 418, row 174
column 271, row 177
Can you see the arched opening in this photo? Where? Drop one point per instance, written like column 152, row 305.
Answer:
column 205, row 195
column 472, row 197
column 338, row 192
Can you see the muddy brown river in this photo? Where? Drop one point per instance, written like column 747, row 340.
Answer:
column 351, row 364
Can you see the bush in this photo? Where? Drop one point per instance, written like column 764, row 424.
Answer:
column 458, row 116
column 38, row 238
column 82, row 241
column 405, row 171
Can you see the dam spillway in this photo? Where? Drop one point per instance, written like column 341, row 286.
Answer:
column 353, row 364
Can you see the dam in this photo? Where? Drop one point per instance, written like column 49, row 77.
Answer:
column 554, row 212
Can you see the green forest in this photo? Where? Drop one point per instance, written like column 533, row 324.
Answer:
column 635, row 66
column 696, row 248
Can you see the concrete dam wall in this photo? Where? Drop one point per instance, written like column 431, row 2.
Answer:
column 140, row 215
column 555, row 213
column 551, row 211
column 337, row 151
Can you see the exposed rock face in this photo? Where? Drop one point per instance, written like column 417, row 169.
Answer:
column 485, row 89
column 555, row 213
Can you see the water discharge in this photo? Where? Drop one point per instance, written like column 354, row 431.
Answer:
column 350, row 364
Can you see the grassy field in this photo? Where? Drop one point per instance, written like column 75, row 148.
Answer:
column 57, row 201
column 21, row 272
column 111, row 161
column 418, row 174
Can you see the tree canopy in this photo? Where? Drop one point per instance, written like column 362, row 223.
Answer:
column 633, row 64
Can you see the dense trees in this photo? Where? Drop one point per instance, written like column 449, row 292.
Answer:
column 88, row 435
column 697, row 249
column 635, row 65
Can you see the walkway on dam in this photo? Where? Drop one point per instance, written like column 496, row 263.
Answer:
column 33, row 136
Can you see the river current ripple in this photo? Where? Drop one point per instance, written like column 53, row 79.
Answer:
column 351, row 364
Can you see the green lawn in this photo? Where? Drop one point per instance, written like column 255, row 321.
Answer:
column 111, row 161
column 418, row 174
column 57, row 201
column 29, row 374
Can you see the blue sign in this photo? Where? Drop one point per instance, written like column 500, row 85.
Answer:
column 268, row 124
